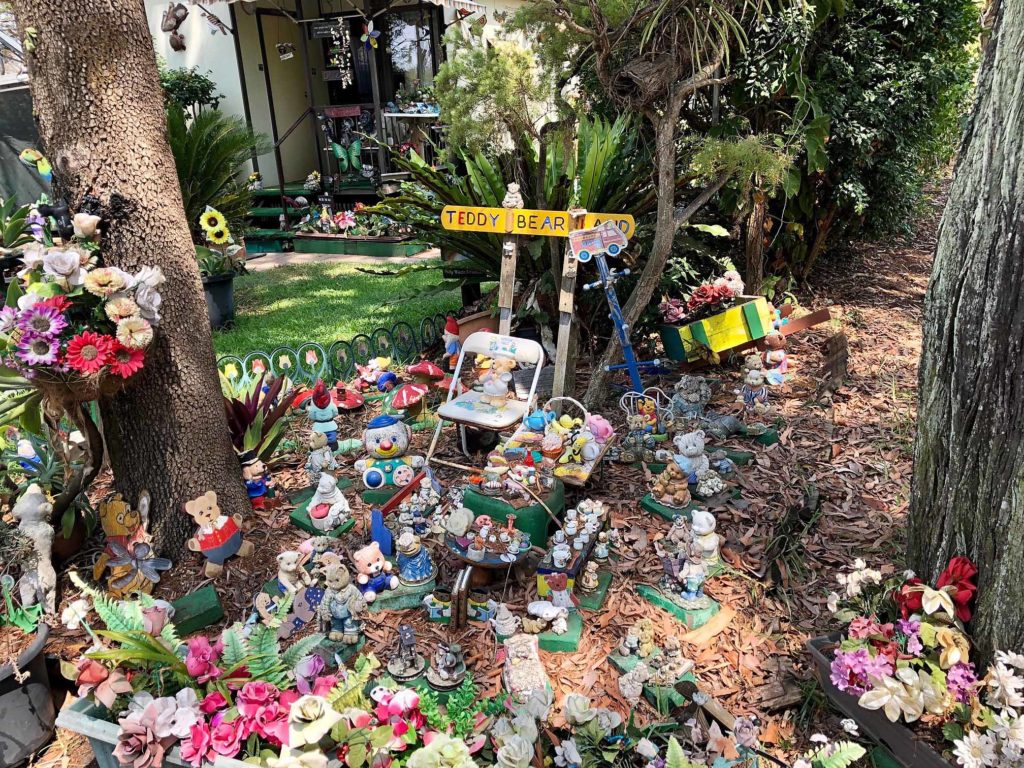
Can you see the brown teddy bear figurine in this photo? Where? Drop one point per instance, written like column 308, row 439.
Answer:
column 219, row 536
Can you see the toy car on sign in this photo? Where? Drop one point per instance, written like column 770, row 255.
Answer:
column 605, row 238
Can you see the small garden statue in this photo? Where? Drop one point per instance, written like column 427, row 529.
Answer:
column 386, row 439
column 125, row 530
column 340, row 607
column 704, row 536
column 774, row 358
column 690, row 456
column 601, row 552
column 38, row 583
column 547, row 617
column 672, row 488
column 495, row 381
column 371, row 373
column 218, row 537
column 257, row 480
column 691, row 396
column 322, row 412
column 328, row 508
column 645, row 631
column 524, row 673
column 374, row 572
column 320, row 458
column 414, row 563
column 407, row 663
column 630, row 645
column 589, row 579
column 447, row 668
column 505, row 623
column 692, row 578
column 755, row 392
column 452, row 344
column 679, row 535
column 631, row 684
column 291, row 576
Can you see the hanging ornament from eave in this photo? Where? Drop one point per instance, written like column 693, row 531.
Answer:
column 341, row 54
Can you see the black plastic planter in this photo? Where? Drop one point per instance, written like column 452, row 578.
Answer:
column 26, row 707
column 908, row 750
column 220, row 299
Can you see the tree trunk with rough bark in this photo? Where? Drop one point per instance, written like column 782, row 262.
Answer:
column 754, row 273
column 100, row 112
column 968, row 488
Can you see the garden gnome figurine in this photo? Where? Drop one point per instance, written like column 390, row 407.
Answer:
column 38, row 582
column 257, row 480
column 323, row 412
column 328, row 508
column 452, row 344
column 320, row 457
column 219, row 536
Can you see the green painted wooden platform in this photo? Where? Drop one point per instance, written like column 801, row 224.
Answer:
column 568, row 642
column 197, row 610
column 595, row 599
column 402, row 598
column 692, row 619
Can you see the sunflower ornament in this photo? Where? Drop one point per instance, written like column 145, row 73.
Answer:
column 212, row 220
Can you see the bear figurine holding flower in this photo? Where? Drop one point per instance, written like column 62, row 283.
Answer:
column 219, row 536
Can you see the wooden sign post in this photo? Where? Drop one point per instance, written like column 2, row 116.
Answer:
column 513, row 221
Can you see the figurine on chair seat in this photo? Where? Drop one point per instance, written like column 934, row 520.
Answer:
column 496, row 380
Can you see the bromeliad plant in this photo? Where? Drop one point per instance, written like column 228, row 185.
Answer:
column 256, row 413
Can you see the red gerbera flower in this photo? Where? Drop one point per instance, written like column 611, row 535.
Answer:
column 126, row 360
column 88, row 352
column 60, row 303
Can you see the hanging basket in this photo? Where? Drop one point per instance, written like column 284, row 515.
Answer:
column 80, row 389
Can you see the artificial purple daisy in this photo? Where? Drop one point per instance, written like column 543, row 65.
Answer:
column 41, row 320
column 8, row 317
column 38, row 350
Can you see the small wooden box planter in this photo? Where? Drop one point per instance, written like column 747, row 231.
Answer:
column 82, row 717
column 311, row 242
column 742, row 324
column 900, row 741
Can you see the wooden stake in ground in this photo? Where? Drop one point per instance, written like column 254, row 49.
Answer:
column 968, row 487
column 101, row 117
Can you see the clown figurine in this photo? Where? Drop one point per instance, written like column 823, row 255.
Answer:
column 257, row 479
column 323, row 412
column 386, row 439
column 452, row 345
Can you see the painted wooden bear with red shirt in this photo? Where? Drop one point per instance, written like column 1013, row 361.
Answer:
column 219, row 536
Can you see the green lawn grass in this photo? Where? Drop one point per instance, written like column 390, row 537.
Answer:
column 325, row 303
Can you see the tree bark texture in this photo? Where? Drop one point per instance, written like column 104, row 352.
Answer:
column 754, row 274
column 100, row 112
column 968, row 487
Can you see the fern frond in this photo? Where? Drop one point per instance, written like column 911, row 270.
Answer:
column 348, row 693
column 300, row 649
column 235, row 648
column 842, row 754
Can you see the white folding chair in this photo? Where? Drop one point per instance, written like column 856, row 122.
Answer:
column 469, row 409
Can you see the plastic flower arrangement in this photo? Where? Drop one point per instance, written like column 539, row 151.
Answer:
column 221, row 255
column 313, row 182
column 73, row 323
column 705, row 300
column 905, row 653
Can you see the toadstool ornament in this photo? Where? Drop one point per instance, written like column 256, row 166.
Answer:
column 426, row 372
column 411, row 398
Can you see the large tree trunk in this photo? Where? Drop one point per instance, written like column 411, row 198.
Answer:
column 968, row 489
column 754, row 248
column 101, row 118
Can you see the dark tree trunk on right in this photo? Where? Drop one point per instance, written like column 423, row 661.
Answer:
column 968, row 490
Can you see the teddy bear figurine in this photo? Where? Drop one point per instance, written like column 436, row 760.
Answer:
column 755, row 392
column 495, row 381
column 218, row 537
column 38, row 583
column 690, row 456
column 291, row 576
column 774, row 358
column 341, row 606
column 374, row 572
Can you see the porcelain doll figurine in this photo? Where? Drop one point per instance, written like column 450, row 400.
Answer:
column 704, row 536
column 589, row 580
column 218, row 537
column 257, row 480
column 322, row 412
column 601, row 550
column 691, row 579
column 340, row 607
column 320, row 458
column 328, row 508
column 414, row 563
column 374, row 572
column 38, row 583
column 672, row 487
column 386, row 440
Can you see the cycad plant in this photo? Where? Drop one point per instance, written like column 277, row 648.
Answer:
column 209, row 151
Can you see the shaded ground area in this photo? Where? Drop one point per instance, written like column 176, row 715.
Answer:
column 327, row 301
column 853, row 449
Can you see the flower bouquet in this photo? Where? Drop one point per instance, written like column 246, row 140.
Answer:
column 905, row 654
column 74, row 326
column 705, row 300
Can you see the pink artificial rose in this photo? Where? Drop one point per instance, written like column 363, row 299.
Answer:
column 213, row 702
column 272, row 724
column 138, row 746
column 323, row 685
column 226, row 738
column 198, row 747
column 104, row 685
column 358, row 718
column 154, row 620
column 254, row 697
column 201, row 657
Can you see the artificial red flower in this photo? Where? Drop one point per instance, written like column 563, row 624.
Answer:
column 88, row 352
column 960, row 575
column 58, row 302
column 908, row 598
column 125, row 361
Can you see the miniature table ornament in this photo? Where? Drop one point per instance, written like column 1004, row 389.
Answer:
column 407, row 663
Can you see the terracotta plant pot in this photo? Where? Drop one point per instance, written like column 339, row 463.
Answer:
column 66, row 548
column 26, row 708
column 477, row 322
column 899, row 740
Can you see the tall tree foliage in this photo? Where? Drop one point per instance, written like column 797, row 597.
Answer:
column 968, row 487
column 102, row 122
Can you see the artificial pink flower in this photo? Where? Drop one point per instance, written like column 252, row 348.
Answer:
column 138, row 746
column 324, row 684
column 198, row 747
column 213, row 702
column 271, row 724
column 104, row 685
column 254, row 697
column 154, row 619
column 201, row 658
column 226, row 738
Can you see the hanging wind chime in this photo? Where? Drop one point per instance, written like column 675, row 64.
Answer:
column 340, row 54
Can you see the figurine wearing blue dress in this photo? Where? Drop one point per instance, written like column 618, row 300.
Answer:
column 322, row 412
column 414, row 563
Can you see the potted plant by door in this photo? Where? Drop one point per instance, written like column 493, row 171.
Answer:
column 26, row 707
column 219, row 261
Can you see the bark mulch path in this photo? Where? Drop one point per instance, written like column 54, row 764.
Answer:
column 853, row 449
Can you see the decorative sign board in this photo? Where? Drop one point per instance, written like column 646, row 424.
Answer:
column 524, row 221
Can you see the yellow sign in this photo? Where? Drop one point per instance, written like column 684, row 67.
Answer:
column 525, row 222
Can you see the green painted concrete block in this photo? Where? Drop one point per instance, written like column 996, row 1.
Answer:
column 532, row 519
column 403, row 597
column 595, row 599
column 564, row 643
column 197, row 610
column 668, row 513
column 692, row 619
column 300, row 519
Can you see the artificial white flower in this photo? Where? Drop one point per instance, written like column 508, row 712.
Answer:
column 801, row 763
column 525, row 726
column 975, row 750
column 567, row 754
column 578, row 709
column 310, row 758
column 64, row 266
column 859, row 564
column 149, row 301
column 1004, row 687
column 516, row 752
column 28, row 300
column 850, row 726
column 74, row 615
column 1010, row 730
column 646, row 748
column 832, row 602
column 32, row 258
column 819, row 738
column 935, row 600
column 85, row 225
column 151, row 276
column 909, row 574
column 1010, row 659
column 607, row 720
column 891, row 695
